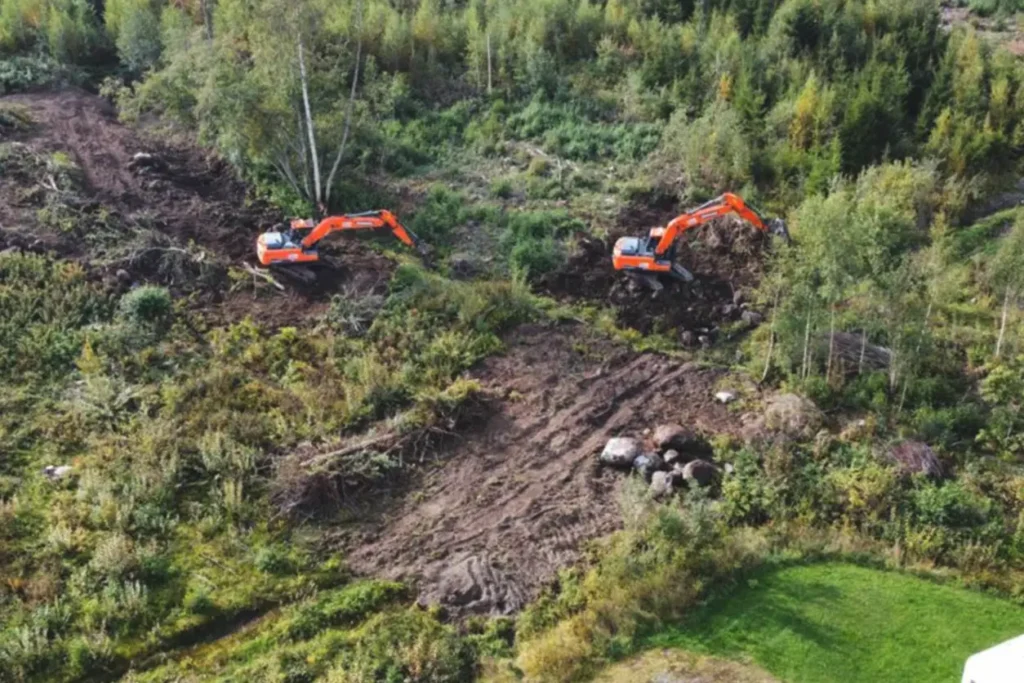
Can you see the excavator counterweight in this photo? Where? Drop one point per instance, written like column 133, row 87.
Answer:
column 655, row 254
column 298, row 243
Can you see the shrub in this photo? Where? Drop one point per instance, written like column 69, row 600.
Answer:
column 19, row 72
column 949, row 505
column 712, row 151
column 407, row 644
column 535, row 258
column 147, row 307
column 502, row 188
column 435, row 222
column 539, row 167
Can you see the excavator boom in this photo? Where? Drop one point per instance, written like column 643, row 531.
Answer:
column 298, row 244
column 655, row 253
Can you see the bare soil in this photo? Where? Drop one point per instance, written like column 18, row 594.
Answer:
column 183, row 193
column 518, row 496
column 724, row 256
column 515, row 496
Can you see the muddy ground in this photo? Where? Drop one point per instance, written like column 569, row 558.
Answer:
column 519, row 494
column 188, row 199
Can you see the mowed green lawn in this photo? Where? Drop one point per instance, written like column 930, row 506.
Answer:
column 832, row 623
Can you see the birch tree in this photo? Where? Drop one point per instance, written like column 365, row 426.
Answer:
column 1007, row 275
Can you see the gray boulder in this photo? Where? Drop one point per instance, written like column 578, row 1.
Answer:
column 674, row 437
column 752, row 318
column 661, row 484
column 915, row 457
column 700, row 472
column 620, row 452
column 794, row 416
column 671, row 457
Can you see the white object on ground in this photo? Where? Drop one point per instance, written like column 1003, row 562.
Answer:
column 725, row 397
column 56, row 473
column 1003, row 663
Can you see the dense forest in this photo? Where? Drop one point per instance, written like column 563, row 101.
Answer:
column 189, row 542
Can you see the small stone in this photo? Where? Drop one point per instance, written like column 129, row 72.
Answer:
column 123, row 275
column 704, row 340
column 738, row 297
column 752, row 318
column 729, row 311
column 620, row 452
column 729, row 468
column 687, row 338
column 725, row 397
column 661, row 484
column 700, row 471
column 671, row 457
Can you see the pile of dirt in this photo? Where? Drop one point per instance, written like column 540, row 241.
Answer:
column 191, row 200
column 726, row 257
column 514, row 498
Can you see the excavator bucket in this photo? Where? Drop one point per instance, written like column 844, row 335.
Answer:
column 777, row 227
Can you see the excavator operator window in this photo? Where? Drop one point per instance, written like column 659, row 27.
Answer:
column 630, row 246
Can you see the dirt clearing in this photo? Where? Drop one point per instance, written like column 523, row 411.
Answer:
column 517, row 497
column 726, row 257
column 190, row 201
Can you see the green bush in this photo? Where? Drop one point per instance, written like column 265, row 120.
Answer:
column 439, row 217
column 404, row 645
column 950, row 505
column 147, row 307
column 19, row 72
column 502, row 188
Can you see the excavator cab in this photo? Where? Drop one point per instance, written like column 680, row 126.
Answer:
column 636, row 256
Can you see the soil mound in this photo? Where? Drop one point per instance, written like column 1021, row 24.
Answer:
column 515, row 498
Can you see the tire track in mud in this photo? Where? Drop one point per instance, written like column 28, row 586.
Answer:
column 514, row 501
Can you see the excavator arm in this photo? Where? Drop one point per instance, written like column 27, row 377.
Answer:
column 655, row 253
column 371, row 220
column 722, row 206
column 298, row 245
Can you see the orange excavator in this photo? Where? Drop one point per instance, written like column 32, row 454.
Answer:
column 648, row 257
column 298, row 244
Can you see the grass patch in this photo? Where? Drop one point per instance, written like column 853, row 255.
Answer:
column 839, row 622
column 675, row 665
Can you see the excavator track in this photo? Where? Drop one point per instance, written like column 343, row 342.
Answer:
column 294, row 273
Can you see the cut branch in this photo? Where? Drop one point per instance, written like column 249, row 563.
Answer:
column 257, row 272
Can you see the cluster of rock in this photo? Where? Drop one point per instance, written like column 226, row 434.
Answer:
column 672, row 457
